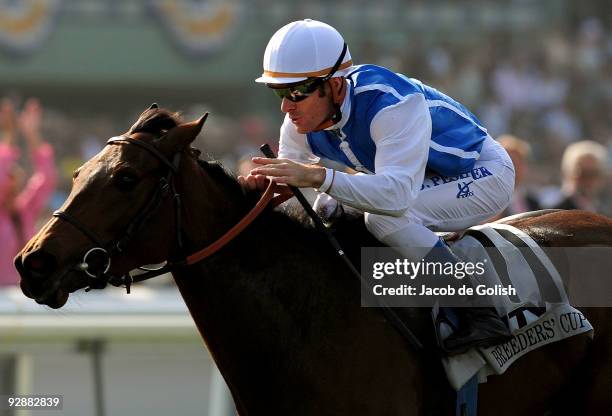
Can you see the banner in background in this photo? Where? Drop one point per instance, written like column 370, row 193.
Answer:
column 25, row 25
column 198, row 27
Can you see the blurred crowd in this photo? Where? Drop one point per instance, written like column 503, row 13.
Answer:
column 23, row 196
column 547, row 101
column 551, row 88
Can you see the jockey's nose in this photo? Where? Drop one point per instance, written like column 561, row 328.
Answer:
column 36, row 265
column 287, row 105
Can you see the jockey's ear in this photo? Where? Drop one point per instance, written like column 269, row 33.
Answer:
column 182, row 135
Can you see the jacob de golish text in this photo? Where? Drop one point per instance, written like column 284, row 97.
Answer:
column 463, row 290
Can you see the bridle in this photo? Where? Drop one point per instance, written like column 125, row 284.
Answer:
column 99, row 278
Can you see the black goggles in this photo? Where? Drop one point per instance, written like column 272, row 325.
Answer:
column 299, row 92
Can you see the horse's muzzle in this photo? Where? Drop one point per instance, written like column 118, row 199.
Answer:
column 36, row 265
column 37, row 269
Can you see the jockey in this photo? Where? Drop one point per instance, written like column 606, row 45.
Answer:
column 419, row 161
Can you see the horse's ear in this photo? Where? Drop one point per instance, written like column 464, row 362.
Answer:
column 182, row 135
column 153, row 106
column 202, row 120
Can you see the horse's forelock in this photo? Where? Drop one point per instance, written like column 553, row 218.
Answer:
column 156, row 121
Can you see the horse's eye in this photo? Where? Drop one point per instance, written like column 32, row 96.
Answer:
column 126, row 181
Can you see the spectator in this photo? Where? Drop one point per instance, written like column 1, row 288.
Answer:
column 19, row 204
column 583, row 169
column 520, row 152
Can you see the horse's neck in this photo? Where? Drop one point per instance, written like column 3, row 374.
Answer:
column 209, row 209
column 286, row 335
column 247, row 325
column 279, row 311
column 238, row 320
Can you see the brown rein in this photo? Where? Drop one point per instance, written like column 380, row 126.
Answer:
column 266, row 198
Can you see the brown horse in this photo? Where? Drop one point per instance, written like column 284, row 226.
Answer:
column 278, row 310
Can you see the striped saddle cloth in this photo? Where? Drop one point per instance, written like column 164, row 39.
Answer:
column 538, row 311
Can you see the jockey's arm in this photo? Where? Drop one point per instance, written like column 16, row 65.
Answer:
column 295, row 151
column 401, row 134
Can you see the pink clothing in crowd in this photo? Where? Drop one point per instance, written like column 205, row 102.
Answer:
column 29, row 203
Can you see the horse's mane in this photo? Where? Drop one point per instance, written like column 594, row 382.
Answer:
column 221, row 176
column 157, row 121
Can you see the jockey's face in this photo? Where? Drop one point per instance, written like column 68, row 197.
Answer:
column 309, row 113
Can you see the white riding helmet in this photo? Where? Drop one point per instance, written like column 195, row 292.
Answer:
column 301, row 50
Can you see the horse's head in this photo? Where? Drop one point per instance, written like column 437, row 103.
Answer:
column 106, row 220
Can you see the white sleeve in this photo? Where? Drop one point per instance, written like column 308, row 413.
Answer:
column 402, row 134
column 294, row 145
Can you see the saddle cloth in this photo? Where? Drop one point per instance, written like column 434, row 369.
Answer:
column 519, row 261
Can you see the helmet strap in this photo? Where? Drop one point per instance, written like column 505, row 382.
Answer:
column 336, row 115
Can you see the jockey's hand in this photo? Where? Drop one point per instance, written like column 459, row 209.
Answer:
column 328, row 208
column 253, row 182
column 260, row 183
column 289, row 172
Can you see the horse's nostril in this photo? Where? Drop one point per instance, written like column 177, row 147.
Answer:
column 39, row 264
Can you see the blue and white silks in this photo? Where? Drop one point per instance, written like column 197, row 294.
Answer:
column 456, row 134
